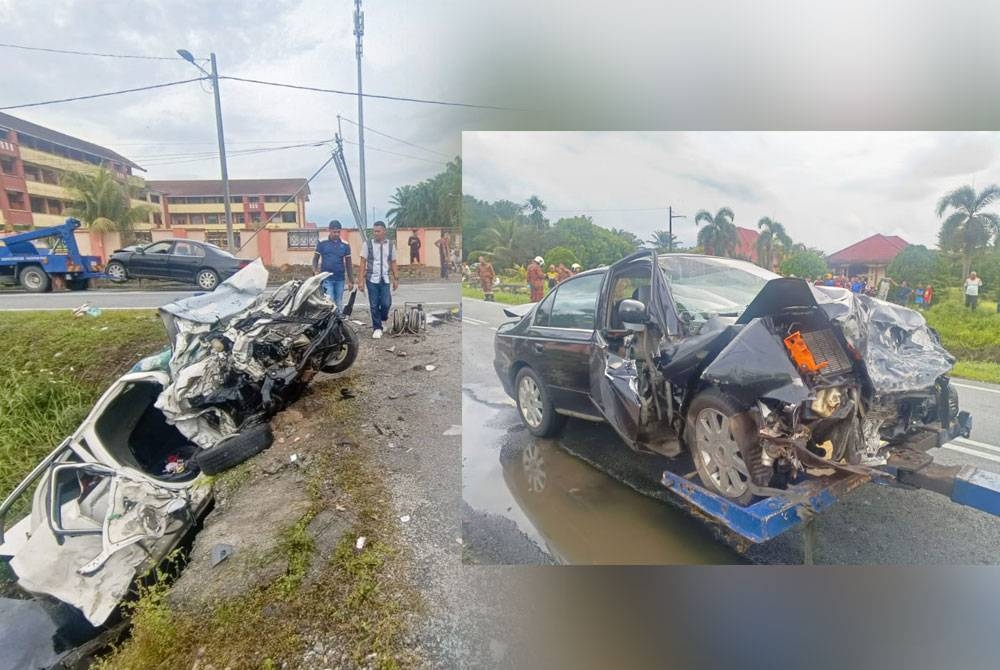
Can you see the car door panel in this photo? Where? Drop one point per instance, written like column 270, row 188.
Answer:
column 186, row 258
column 151, row 261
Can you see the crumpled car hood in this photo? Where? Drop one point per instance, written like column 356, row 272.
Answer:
column 900, row 351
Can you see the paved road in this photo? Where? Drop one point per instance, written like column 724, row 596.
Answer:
column 429, row 292
column 572, row 512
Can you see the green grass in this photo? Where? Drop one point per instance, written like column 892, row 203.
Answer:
column 53, row 366
column 499, row 296
column 972, row 337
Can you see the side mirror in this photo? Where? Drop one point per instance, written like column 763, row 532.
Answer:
column 141, row 250
column 632, row 313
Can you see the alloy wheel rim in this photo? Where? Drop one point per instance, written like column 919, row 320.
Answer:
column 116, row 271
column 33, row 280
column 719, row 453
column 206, row 280
column 530, row 399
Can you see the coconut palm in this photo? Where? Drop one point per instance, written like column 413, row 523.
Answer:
column 718, row 237
column 969, row 227
column 772, row 243
column 103, row 204
column 537, row 208
column 629, row 237
column 662, row 239
column 503, row 240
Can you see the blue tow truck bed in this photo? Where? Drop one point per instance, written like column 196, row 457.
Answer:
column 34, row 268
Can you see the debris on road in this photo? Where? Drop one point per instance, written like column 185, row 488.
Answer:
column 360, row 544
column 221, row 552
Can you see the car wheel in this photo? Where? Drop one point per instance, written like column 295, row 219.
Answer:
column 724, row 446
column 35, row 280
column 534, row 405
column 233, row 449
column 116, row 270
column 207, row 279
column 343, row 357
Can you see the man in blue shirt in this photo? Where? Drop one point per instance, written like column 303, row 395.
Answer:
column 333, row 255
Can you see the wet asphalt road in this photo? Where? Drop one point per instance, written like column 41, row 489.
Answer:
column 142, row 299
column 532, row 500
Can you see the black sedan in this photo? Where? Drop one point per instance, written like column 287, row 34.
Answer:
column 199, row 263
column 754, row 375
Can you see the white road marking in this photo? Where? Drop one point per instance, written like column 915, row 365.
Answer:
column 973, row 443
column 975, row 388
column 972, row 452
column 469, row 319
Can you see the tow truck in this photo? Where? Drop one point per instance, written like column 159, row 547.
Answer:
column 36, row 268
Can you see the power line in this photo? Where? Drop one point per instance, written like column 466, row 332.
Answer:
column 370, row 95
column 386, row 151
column 232, row 154
column 102, row 95
column 189, row 154
column 87, row 53
column 288, row 200
column 639, row 209
column 416, row 146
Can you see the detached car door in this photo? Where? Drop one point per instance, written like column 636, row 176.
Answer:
column 561, row 341
column 151, row 261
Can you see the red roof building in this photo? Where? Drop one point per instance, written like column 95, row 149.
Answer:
column 868, row 258
column 747, row 246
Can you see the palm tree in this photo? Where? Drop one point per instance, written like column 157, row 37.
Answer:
column 402, row 201
column 537, row 208
column 772, row 243
column 103, row 204
column 718, row 237
column 970, row 227
column 502, row 240
column 662, row 239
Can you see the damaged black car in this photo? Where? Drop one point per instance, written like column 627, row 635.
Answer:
column 753, row 376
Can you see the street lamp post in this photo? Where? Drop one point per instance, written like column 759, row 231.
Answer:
column 670, row 226
column 214, row 76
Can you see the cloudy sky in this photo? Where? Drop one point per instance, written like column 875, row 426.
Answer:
column 830, row 189
column 171, row 132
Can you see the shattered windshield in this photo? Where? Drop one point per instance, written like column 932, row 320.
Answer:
column 704, row 286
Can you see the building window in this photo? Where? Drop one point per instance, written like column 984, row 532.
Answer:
column 274, row 198
column 238, row 218
column 154, row 198
column 158, row 220
column 142, row 237
column 7, row 165
column 37, row 205
column 218, row 238
column 16, row 200
column 32, row 173
column 55, row 206
column 303, row 239
column 178, row 219
column 50, row 177
column 255, row 217
column 288, row 217
column 197, row 219
column 211, row 219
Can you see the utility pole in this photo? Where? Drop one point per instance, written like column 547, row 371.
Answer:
column 670, row 226
column 214, row 76
column 359, row 31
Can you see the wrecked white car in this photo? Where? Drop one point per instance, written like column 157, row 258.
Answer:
column 118, row 495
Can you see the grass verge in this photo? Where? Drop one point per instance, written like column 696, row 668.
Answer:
column 972, row 337
column 53, row 367
column 499, row 296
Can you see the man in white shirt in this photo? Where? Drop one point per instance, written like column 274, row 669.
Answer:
column 378, row 267
column 972, row 286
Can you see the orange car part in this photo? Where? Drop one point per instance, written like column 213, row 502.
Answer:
column 801, row 356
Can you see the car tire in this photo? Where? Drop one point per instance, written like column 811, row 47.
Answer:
column 344, row 357
column 534, row 405
column 723, row 443
column 234, row 449
column 207, row 279
column 117, row 271
column 34, row 279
